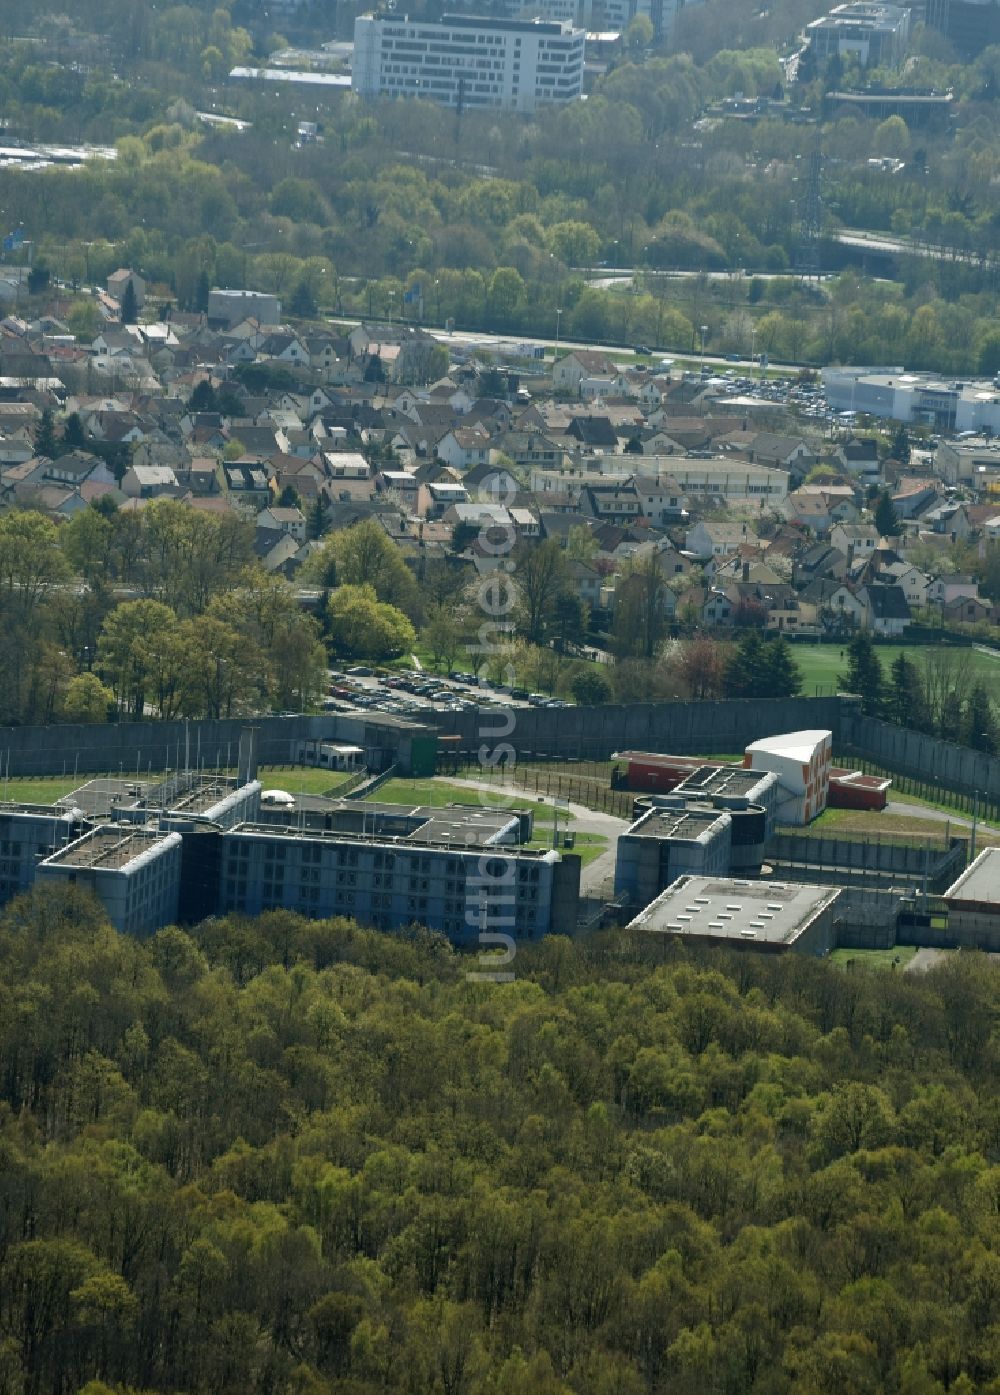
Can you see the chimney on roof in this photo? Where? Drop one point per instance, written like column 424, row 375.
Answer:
column 746, row 571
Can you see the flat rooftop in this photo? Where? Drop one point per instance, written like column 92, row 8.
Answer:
column 189, row 792
column 980, row 882
column 733, row 780
column 369, row 817
column 34, row 811
column 435, row 834
column 110, row 847
column 724, row 908
column 685, row 824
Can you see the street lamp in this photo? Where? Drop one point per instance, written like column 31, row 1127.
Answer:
column 558, row 317
column 704, row 331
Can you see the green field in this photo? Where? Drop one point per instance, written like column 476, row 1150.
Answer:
column 822, row 665
column 896, row 958
column 45, row 790
column 435, row 791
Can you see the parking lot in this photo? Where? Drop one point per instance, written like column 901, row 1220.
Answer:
column 410, row 692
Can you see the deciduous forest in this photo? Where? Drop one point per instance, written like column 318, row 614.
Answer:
column 290, row 1156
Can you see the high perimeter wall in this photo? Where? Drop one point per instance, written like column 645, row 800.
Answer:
column 679, row 728
column 906, row 752
column 584, row 733
column 152, row 746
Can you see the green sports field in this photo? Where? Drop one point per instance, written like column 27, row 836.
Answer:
column 823, row 664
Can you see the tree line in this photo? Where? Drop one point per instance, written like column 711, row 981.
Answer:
column 393, row 198
column 290, row 1156
column 938, row 694
column 161, row 612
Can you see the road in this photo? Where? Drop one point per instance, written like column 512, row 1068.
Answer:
column 477, row 339
column 903, row 246
column 921, row 811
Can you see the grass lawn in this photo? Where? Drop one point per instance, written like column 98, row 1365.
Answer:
column 45, row 790
column 851, row 822
column 304, row 780
column 587, row 845
column 898, row 957
column 822, row 665
column 436, row 791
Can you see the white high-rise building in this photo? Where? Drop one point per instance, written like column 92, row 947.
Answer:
column 469, row 61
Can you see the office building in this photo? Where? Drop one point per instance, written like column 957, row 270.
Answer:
column 134, row 872
column 801, row 760
column 773, row 917
column 875, row 35
column 466, row 61
column 666, row 842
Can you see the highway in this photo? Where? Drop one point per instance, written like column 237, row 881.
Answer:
column 477, row 339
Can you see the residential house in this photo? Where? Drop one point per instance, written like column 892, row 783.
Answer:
column 913, row 497
column 569, row 372
column 249, row 484
column 76, row 466
column 594, row 433
column 783, row 452
column 855, row 540
column 910, row 579
column 118, row 281
column 150, row 482
column 945, row 589
column 526, row 521
column 718, row 608
column 612, row 503
column 585, row 581
column 886, row 612
column 463, row 447
column 200, row 475
column 441, row 496
column 711, row 539
column 283, row 520
column 951, row 519
column 532, row 448
column 966, row 610
column 56, row 499
column 402, row 485
column 821, row 559
column 284, row 347
column 275, row 550
column 859, row 457
column 661, row 500
column 844, row 608
column 808, row 510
